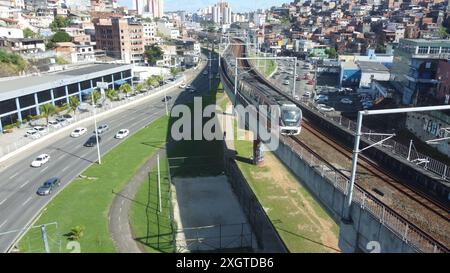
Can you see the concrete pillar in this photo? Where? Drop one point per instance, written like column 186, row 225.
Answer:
column 67, row 92
column 80, row 98
column 348, row 237
column 19, row 112
column 1, row 127
column 38, row 111
column 53, row 96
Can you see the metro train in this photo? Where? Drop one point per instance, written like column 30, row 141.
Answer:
column 257, row 93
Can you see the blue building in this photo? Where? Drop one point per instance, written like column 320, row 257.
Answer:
column 21, row 97
column 350, row 74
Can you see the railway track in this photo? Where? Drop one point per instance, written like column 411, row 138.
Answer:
column 432, row 205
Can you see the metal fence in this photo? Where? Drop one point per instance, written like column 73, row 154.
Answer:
column 388, row 217
column 232, row 237
column 391, row 146
column 81, row 115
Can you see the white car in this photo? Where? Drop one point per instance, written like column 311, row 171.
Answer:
column 40, row 160
column 346, row 101
column 78, row 132
column 68, row 118
column 123, row 133
column 205, row 73
column 33, row 134
column 286, row 82
column 321, row 98
column 307, row 94
column 54, row 124
column 324, row 108
column 182, row 86
column 40, row 129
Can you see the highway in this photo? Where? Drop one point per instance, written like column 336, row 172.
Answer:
column 19, row 203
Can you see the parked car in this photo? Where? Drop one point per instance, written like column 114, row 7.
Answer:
column 40, row 129
column 92, row 141
column 182, row 86
column 324, row 108
column 321, row 98
column 346, row 101
column 49, row 186
column 307, row 94
column 78, row 132
column 102, row 129
column 40, row 160
column 123, row 133
column 33, row 134
column 205, row 73
column 54, row 124
column 286, row 82
column 62, row 121
column 68, row 118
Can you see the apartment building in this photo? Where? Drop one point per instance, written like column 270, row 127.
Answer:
column 120, row 38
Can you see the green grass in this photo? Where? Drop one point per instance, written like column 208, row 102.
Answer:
column 86, row 202
column 151, row 228
column 298, row 230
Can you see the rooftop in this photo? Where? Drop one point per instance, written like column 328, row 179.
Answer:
column 372, row 67
column 55, row 79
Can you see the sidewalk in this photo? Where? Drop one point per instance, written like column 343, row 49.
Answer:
column 119, row 225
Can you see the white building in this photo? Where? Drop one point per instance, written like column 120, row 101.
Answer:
column 7, row 32
column 149, row 33
column 167, row 29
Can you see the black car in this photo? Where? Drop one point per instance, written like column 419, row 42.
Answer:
column 48, row 186
column 166, row 98
column 92, row 141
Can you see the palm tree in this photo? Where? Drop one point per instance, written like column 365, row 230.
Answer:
column 111, row 94
column 47, row 110
column 139, row 88
column 74, row 102
column 125, row 88
column 97, row 96
column 76, row 233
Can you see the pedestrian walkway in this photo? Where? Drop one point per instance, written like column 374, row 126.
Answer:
column 119, row 225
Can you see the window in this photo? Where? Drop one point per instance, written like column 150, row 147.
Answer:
column 10, row 119
column 7, row 106
column 117, row 76
column 434, row 50
column 60, row 102
column 26, row 101
column 44, row 96
column 73, row 88
column 59, row 92
column 107, row 78
column 27, row 113
column 423, row 49
column 85, row 85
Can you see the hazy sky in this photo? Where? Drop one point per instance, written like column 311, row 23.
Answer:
column 193, row 5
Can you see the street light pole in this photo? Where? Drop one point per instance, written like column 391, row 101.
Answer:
column 295, row 76
column 96, row 129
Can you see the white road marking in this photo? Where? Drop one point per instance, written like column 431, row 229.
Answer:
column 28, row 200
column 3, row 201
column 120, row 210
column 44, row 169
column 14, row 175
column 28, row 181
column 4, row 222
column 63, row 170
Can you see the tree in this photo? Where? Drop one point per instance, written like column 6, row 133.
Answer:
column 76, row 233
column 125, row 88
column 139, row 88
column 74, row 102
column 174, row 71
column 61, row 36
column 97, row 96
column 111, row 94
column 59, row 22
column 153, row 54
column 47, row 110
column 28, row 33
column 442, row 32
column 332, row 54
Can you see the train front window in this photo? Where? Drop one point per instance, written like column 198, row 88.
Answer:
column 290, row 115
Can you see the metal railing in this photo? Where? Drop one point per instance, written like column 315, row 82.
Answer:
column 408, row 232
column 392, row 147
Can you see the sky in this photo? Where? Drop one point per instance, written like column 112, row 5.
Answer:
column 194, row 5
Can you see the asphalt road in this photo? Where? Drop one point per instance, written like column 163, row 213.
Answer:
column 19, row 202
